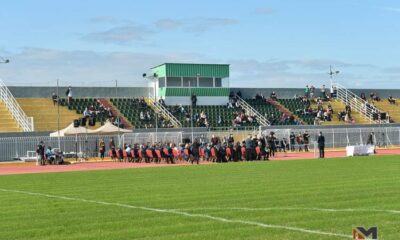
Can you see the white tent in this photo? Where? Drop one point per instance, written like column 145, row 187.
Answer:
column 109, row 128
column 71, row 130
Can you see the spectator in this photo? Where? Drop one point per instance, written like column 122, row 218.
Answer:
column 391, row 100
column 68, row 93
column 362, row 96
column 274, row 96
column 194, row 100
column 321, row 145
column 102, row 148
column 54, row 97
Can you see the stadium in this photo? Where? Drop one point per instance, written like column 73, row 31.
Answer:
column 191, row 154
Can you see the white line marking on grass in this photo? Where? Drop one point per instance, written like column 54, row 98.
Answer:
column 177, row 212
column 293, row 209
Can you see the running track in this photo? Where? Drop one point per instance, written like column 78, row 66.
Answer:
column 22, row 168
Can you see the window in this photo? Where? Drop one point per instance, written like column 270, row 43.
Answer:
column 191, row 80
column 218, row 82
column 174, row 82
column 205, row 82
column 161, row 82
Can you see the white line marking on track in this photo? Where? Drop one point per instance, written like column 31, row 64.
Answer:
column 293, row 209
column 182, row 213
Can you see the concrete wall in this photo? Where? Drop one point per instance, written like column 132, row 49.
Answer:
column 200, row 100
column 81, row 92
column 107, row 92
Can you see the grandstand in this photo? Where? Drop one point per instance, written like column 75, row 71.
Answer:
column 392, row 109
column 7, row 122
column 45, row 114
column 182, row 92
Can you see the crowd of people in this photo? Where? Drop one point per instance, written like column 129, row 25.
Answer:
column 257, row 147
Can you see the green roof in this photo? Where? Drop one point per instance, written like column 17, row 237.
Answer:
column 200, row 92
column 191, row 70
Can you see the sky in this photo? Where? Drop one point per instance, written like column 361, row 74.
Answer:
column 268, row 43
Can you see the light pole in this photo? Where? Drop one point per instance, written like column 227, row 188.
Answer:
column 4, row 60
column 58, row 115
column 331, row 74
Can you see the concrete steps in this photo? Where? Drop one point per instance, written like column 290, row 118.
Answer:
column 337, row 106
column 44, row 113
column 392, row 109
column 7, row 122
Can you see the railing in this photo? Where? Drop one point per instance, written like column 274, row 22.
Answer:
column 24, row 122
column 160, row 109
column 358, row 104
column 250, row 110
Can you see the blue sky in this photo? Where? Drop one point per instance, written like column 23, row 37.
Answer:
column 268, row 43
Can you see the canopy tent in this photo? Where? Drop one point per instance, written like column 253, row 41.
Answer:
column 109, row 128
column 71, row 130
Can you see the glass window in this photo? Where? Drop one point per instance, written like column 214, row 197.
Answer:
column 161, row 82
column 191, row 80
column 174, row 82
column 218, row 82
column 205, row 82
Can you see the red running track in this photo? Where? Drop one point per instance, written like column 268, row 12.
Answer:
column 20, row 168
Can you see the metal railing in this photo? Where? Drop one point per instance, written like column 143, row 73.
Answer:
column 263, row 121
column 87, row 145
column 24, row 122
column 358, row 104
column 160, row 109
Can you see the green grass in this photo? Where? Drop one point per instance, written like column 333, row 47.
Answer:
column 345, row 183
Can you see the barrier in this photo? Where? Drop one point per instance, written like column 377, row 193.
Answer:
column 337, row 137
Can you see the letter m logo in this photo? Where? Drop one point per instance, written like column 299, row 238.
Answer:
column 360, row 233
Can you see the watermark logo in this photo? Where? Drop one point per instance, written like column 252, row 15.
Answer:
column 360, row 233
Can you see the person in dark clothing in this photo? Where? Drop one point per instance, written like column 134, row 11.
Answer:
column 306, row 139
column 40, row 150
column 195, row 152
column 321, row 145
column 170, row 156
column 292, row 138
column 194, row 100
column 370, row 140
column 238, row 152
column 221, row 154
column 272, row 144
column 249, row 148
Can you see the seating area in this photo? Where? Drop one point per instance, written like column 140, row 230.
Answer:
column 217, row 115
column 273, row 115
column 297, row 106
column 80, row 104
column 392, row 109
column 45, row 114
column 7, row 122
column 133, row 108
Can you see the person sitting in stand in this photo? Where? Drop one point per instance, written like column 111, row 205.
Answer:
column 362, row 96
column 274, row 96
column 391, row 100
column 54, row 97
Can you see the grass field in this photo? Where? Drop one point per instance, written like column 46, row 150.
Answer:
column 303, row 199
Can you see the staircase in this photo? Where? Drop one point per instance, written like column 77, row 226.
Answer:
column 392, row 109
column 357, row 104
column 263, row 121
column 23, row 121
column 45, row 114
column 116, row 112
column 284, row 110
column 7, row 122
column 160, row 109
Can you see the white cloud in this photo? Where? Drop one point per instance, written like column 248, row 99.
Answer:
column 120, row 35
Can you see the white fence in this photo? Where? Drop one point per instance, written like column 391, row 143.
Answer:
column 15, row 147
